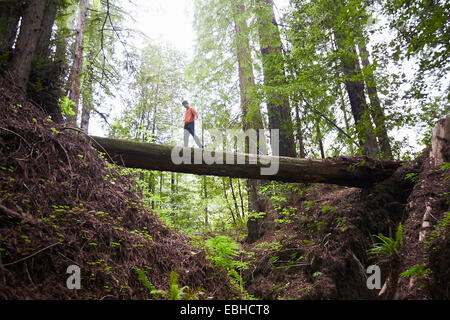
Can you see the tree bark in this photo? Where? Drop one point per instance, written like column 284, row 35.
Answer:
column 10, row 12
column 47, row 71
column 236, row 207
column 62, row 34
column 226, row 200
column 299, row 132
column 172, row 186
column 345, row 171
column 378, row 115
column 43, row 46
column 344, row 112
column 77, row 65
column 241, row 198
column 205, row 196
column 86, row 110
column 151, row 187
column 319, row 139
column 440, row 143
column 355, row 90
column 27, row 42
column 278, row 106
column 87, row 94
column 59, row 64
column 251, row 113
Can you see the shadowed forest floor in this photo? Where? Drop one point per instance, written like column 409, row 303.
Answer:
column 62, row 204
column 67, row 206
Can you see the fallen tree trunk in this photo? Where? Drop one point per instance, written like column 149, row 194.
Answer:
column 358, row 171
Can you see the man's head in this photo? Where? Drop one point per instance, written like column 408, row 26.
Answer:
column 185, row 104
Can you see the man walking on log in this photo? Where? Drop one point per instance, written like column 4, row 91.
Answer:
column 189, row 125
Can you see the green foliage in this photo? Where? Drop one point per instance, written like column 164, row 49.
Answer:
column 278, row 194
column 256, row 215
column 315, row 227
column 341, row 223
column 441, row 231
column 418, row 271
column 314, row 83
column 174, row 292
column 143, row 279
column 153, row 97
column 66, row 105
column 308, row 204
column 413, row 177
column 317, row 274
column 423, row 30
column 238, row 283
column 272, row 246
column 293, row 261
column 286, row 214
column 445, row 166
column 326, row 208
column 387, row 247
column 224, row 251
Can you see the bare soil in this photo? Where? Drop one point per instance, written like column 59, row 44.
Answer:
column 322, row 252
column 61, row 204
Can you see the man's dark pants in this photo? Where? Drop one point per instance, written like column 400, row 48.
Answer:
column 189, row 129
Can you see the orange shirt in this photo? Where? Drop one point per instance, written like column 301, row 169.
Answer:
column 190, row 116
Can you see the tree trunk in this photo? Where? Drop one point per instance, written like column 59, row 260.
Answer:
column 172, row 187
column 440, row 143
column 59, row 66
column 43, row 46
column 47, row 72
column 344, row 112
column 236, row 207
column 251, row 113
column 278, row 107
column 228, row 203
column 205, row 196
column 10, row 12
column 161, row 182
column 77, row 65
column 86, row 110
column 62, row 34
column 241, row 198
column 27, row 42
column 377, row 110
column 151, row 188
column 88, row 94
column 346, row 171
column 355, row 90
column 299, row 132
column 319, row 139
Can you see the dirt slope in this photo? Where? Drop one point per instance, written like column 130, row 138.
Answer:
column 61, row 205
column 322, row 252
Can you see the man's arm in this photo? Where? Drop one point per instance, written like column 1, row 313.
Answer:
column 194, row 112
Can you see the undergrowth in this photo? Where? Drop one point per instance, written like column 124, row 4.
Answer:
column 226, row 253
